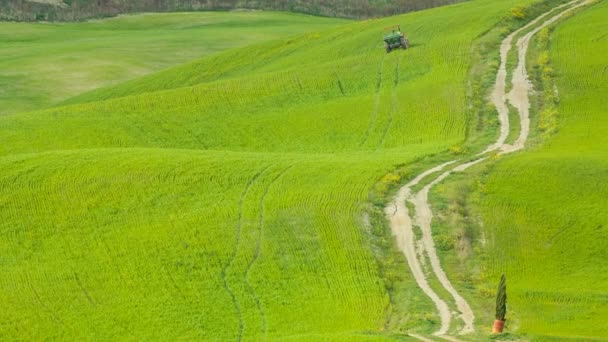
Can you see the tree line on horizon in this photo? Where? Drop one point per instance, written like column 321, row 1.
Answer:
column 71, row 10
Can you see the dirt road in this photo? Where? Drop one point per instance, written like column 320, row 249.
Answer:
column 518, row 96
column 402, row 224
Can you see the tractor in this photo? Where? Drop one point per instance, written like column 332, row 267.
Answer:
column 395, row 39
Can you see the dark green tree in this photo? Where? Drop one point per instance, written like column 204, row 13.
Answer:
column 501, row 299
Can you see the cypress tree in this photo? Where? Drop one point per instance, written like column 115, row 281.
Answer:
column 501, row 299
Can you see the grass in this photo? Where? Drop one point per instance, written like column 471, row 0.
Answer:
column 225, row 198
column 514, row 125
column 44, row 63
column 552, row 198
column 538, row 216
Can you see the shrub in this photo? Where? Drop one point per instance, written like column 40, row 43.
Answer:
column 518, row 12
column 457, row 149
column 444, row 242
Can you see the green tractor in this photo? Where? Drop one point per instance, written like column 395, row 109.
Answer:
column 395, row 39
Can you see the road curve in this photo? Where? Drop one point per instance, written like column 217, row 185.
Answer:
column 400, row 219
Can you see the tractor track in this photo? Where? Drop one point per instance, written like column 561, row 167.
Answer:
column 256, row 254
column 83, row 290
column 374, row 114
column 402, row 222
column 237, row 241
column 43, row 304
column 393, row 104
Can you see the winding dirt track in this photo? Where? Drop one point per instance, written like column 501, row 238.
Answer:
column 397, row 213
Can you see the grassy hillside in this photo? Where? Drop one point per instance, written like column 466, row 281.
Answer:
column 355, row 98
column 44, row 63
column 153, row 243
column 544, row 211
column 226, row 198
column 30, row 10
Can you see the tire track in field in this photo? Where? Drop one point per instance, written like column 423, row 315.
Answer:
column 174, row 284
column 340, row 85
column 256, row 253
column 43, row 304
column 93, row 304
column 83, row 290
column 393, row 105
column 374, row 114
column 235, row 302
column 397, row 213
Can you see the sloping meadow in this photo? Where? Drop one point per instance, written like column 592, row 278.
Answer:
column 544, row 211
column 223, row 199
column 44, row 63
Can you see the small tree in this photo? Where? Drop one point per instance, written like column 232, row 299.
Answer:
column 501, row 299
column 501, row 306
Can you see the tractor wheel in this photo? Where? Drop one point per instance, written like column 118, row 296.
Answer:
column 388, row 49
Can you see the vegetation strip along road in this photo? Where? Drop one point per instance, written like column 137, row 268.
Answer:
column 401, row 221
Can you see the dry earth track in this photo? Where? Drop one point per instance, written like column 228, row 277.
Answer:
column 397, row 213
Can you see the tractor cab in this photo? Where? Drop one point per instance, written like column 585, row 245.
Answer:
column 395, row 39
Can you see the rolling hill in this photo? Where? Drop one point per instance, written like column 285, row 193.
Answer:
column 545, row 209
column 241, row 196
column 42, row 64
column 536, row 215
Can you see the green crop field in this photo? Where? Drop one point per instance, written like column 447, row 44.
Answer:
column 43, row 63
column 545, row 210
column 236, row 196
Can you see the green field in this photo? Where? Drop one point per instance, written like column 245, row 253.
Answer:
column 545, row 210
column 228, row 198
column 44, row 63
